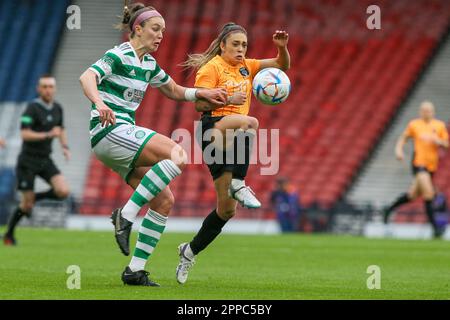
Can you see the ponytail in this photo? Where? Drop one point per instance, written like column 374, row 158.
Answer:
column 130, row 13
column 198, row 60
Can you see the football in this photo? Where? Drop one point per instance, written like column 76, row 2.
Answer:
column 271, row 86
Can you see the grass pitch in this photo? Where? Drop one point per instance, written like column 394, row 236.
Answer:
column 233, row 267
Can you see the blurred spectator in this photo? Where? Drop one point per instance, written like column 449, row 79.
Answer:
column 285, row 201
column 2, row 143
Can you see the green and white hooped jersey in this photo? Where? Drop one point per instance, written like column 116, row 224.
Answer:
column 122, row 82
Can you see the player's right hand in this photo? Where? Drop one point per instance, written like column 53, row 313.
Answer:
column 106, row 115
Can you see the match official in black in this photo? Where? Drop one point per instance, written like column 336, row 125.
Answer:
column 41, row 122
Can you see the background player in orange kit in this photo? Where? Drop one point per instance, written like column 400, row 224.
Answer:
column 428, row 135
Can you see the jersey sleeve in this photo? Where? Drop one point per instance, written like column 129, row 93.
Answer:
column 409, row 131
column 254, row 65
column 105, row 66
column 61, row 119
column 27, row 119
column 159, row 77
column 206, row 77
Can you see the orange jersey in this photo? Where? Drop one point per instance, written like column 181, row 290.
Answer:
column 425, row 151
column 219, row 74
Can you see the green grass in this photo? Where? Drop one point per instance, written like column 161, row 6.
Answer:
column 233, row 267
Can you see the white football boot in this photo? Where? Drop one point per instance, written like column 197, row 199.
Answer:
column 185, row 263
column 243, row 194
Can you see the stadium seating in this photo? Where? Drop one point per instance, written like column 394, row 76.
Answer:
column 31, row 31
column 347, row 83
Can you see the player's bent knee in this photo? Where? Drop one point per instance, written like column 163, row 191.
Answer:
column 62, row 193
column 179, row 157
column 428, row 196
column 250, row 123
column 253, row 123
column 226, row 214
column 183, row 161
column 412, row 195
column 27, row 206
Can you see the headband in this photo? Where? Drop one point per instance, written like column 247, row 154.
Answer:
column 144, row 16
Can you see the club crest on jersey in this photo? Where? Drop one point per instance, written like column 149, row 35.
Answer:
column 139, row 134
column 49, row 118
column 244, row 71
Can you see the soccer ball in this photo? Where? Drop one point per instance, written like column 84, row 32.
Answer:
column 271, row 86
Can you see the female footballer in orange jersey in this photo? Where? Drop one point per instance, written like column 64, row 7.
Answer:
column 224, row 65
column 428, row 135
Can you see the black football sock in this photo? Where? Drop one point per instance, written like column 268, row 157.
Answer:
column 16, row 216
column 430, row 214
column 404, row 198
column 242, row 154
column 49, row 194
column 211, row 228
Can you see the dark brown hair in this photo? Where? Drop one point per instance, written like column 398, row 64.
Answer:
column 46, row 75
column 198, row 60
column 130, row 13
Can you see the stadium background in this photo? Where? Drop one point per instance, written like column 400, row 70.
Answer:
column 353, row 91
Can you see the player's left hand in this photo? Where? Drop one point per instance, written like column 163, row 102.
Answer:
column 280, row 38
column 67, row 154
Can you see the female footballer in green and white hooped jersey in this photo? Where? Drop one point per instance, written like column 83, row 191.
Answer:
column 146, row 160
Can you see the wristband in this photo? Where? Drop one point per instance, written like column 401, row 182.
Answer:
column 190, row 94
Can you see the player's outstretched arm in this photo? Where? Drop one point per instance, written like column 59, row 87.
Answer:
column 176, row 92
column 88, row 81
column 283, row 59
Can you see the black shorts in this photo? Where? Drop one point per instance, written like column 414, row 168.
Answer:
column 216, row 169
column 29, row 167
column 417, row 169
